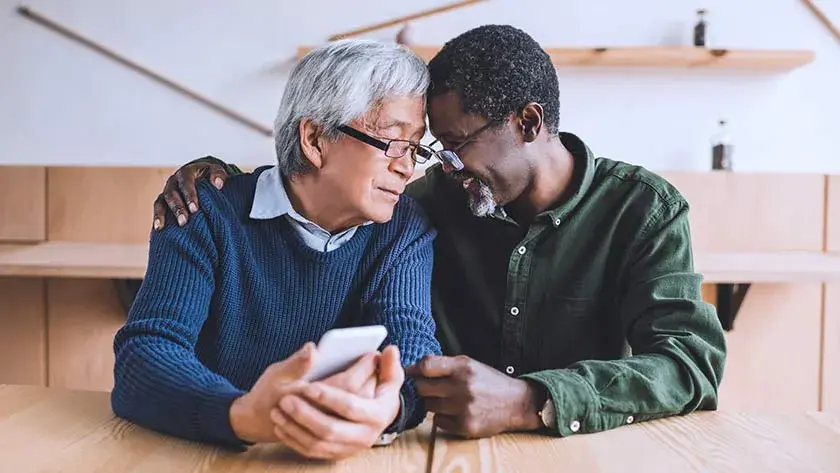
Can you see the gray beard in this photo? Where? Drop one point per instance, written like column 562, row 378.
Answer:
column 482, row 205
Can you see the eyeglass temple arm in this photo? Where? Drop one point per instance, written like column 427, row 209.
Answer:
column 363, row 137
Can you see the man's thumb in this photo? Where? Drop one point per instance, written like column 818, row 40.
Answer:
column 297, row 365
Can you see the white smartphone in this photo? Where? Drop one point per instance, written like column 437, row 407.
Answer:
column 339, row 348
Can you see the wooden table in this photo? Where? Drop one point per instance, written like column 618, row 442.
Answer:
column 51, row 430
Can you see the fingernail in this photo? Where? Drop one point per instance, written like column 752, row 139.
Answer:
column 287, row 405
column 157, row 224
column 193, row 207
column 313, row 391
column 182, row 220
column 218, row 183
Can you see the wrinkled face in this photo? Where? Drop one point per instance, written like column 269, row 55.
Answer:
column 495, row 171
column 365, row 181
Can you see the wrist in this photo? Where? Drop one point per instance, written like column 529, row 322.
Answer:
column 530, row 400
column 397, row 423
column 241, row 416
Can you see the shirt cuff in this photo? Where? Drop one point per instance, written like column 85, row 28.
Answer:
column 576, row 403
column 213, row 419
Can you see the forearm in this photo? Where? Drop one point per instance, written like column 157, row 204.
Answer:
column 415, row 340
column 160, row 385
column 158, row 380
column 402, row 302
column 676, row 372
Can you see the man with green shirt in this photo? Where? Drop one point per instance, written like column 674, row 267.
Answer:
column 563, row 288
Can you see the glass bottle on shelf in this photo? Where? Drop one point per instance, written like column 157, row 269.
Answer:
column 700, row 29
column 722, row 148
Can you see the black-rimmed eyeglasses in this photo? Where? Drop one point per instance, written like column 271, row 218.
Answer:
column 419, row 153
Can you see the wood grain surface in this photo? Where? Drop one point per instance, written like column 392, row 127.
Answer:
column 52, row 430
column 703, row 442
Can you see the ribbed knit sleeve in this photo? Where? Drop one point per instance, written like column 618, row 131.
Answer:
column 159, row 382
column 402, row 302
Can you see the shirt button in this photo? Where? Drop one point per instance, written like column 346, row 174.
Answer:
column 521, row 250
column 509, row 370
column 630, row 419
column 574, row 426
column 514, row 310
column 557, row 222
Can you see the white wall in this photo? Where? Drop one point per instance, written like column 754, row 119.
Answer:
column 61, row 103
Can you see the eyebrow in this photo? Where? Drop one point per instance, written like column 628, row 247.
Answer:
column 403, row 125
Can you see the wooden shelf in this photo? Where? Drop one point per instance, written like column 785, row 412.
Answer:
column 780, row 267
column 74, row 260
column 89, row 260
column 660, row 57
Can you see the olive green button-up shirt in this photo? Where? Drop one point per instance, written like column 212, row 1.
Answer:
column 596, row 299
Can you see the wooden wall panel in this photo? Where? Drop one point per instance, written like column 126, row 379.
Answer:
column 22, row 203
column 774, row 350
column 102, row 204
column 831, row 350
column 832, row 242
column 743, row 212
column 83, row 316
column 22, row 331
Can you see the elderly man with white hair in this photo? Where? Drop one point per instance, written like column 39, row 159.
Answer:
column 220, row 335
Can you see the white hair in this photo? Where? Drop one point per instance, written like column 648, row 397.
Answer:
column 337, row 83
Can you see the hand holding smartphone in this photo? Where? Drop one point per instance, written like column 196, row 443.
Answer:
column 339, row 348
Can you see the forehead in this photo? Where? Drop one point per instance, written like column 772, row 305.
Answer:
column 407, row 113
column 448, row 120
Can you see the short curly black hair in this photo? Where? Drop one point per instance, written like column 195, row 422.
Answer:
column 497, row 70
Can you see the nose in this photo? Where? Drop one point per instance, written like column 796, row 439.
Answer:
column 403, row 166
column 447, row 168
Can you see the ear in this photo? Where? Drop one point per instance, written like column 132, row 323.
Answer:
column 310, row 142
column 531, row 121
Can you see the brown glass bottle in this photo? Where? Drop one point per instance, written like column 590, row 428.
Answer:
column 722, row 149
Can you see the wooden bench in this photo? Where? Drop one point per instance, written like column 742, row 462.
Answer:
column 128, row 261
column 74, row 260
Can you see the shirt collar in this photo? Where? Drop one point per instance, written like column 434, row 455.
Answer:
column 584, row 174
column 271, row 199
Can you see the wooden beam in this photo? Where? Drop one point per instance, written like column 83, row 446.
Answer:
column 403, row 19
column 41, row 19
column 823, row 19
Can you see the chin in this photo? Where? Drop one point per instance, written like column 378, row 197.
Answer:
column 380, row 213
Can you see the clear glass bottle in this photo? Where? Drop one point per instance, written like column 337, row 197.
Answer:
column 722, row 148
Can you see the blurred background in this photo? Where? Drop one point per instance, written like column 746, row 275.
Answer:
column 61, row 103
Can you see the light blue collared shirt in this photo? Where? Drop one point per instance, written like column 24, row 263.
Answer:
column 271, row 201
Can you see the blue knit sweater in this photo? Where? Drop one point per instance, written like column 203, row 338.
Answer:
column 226, row 296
